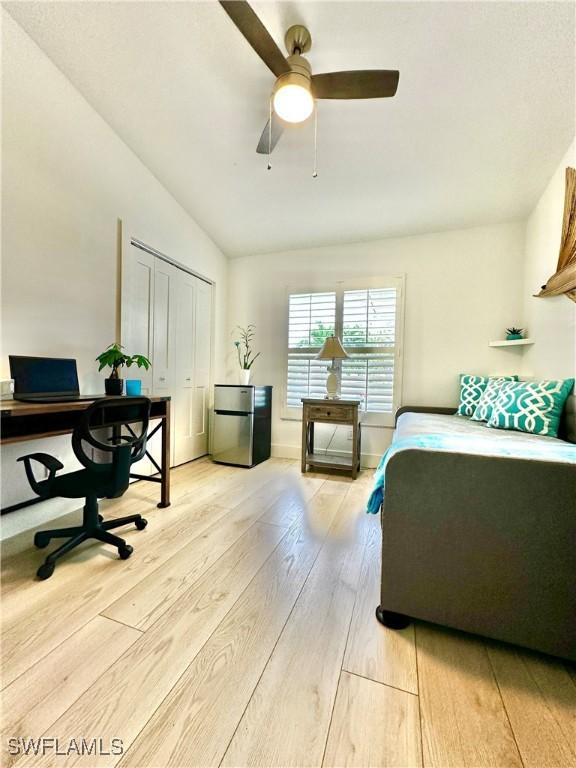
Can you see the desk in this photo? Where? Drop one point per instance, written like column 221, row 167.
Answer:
column 339, row 413
column 30, row 421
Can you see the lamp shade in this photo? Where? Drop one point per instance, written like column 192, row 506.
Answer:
column 332, row 350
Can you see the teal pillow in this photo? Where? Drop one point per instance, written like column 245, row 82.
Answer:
column 471, row 390
column 489, row 396
column 531, row 406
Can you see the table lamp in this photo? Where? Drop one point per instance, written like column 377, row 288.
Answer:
column 332, row 350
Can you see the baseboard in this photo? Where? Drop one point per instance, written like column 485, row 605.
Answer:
column 367, row 460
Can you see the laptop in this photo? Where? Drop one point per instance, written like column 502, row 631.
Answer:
column 45, row 379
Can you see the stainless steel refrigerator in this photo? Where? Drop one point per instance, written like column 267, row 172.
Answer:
column 242, row 424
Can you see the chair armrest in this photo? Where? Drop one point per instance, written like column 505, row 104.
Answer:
column 48, row 461
column 52, row 465
column 447, row 410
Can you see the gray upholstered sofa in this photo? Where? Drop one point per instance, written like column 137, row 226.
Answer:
column 481, row 543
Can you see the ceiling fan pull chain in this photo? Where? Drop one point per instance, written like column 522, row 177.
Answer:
column 270, row 134
column 315, row 171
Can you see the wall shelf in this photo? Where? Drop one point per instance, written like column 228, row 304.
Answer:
column 512, row 343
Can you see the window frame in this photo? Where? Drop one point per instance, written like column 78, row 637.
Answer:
column 368, row 418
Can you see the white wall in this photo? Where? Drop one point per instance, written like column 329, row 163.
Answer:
column 551, row 322
column 462, row 289
column 67, row 179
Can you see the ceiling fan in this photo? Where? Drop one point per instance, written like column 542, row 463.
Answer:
column 296, row 87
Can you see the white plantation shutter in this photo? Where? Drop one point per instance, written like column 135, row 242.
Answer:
column 369, row 337
column 311, row 318
column 365, row 316
column 306, row 378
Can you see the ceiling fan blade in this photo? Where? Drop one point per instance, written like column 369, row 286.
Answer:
column 257, row 35
column 357, row 84
column 277, row 131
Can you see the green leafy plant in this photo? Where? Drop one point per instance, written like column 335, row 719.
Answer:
column 246, row 356
column 514, row 331
column 113, row 357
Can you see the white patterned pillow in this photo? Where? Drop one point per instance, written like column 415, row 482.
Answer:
column 531, row 406
column 489, row 396
column 471, row 390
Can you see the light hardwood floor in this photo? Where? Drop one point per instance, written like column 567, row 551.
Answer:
column 242, row 632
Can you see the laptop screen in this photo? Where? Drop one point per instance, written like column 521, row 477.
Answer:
column 43, row 375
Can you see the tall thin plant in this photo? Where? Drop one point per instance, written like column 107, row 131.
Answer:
column 246, row 356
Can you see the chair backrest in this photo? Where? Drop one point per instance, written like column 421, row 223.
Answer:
column 116, row 427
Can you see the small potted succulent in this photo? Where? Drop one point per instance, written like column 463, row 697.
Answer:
column 513, row 334
column 246, row 356
column 114, row 358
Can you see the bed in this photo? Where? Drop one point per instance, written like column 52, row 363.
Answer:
column 479, row 529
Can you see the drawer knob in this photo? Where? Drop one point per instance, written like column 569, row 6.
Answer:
column 328, row 413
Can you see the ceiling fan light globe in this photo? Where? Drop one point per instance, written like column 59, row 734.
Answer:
column 293, row 103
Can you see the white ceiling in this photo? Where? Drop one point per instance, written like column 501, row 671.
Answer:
column 483, row 113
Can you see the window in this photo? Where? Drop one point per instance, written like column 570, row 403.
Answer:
column 311, row 318
column 367, row 317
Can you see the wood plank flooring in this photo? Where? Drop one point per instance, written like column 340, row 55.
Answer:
column 242, row 633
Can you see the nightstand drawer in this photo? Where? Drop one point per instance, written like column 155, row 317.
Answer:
column 331, row 412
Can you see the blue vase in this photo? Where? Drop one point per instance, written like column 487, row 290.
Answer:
column 133, row 387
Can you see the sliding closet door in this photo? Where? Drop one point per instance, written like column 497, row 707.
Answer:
column 138, row 313
column 202, row 366
column 183, row 392
column 166, row 315
column 165, row 278
column 163, row 335
column 137, row 336
column 192, row 348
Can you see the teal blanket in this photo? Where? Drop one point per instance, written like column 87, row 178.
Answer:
column 487, row 443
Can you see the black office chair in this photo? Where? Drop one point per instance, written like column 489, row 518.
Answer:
column 115, row 429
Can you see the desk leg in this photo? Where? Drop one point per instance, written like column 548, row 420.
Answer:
column 355, row 449
column 304, row 442
column 165, row 477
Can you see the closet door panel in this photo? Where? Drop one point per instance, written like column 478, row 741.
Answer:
column 137, row 335
column 165, row 278
column 138, row 329
column 185, row 323
column 184, row 354
column 164, row 288
column 202, row 368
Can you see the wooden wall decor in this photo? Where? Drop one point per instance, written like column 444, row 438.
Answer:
column 563, row 281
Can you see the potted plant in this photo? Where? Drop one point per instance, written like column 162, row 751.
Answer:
column 114, row 358
column 246, row 356
column 513, row 334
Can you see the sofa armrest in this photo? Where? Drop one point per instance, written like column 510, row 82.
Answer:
column 448, row 410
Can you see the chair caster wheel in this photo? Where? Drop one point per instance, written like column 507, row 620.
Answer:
column 100, row 519
column 45, row 571
column 125, row 552
column 141, row 524
column 41, row 541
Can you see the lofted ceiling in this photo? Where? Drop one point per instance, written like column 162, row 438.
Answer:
column 483, row 114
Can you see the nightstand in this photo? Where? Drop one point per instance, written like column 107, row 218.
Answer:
column 337, row 412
